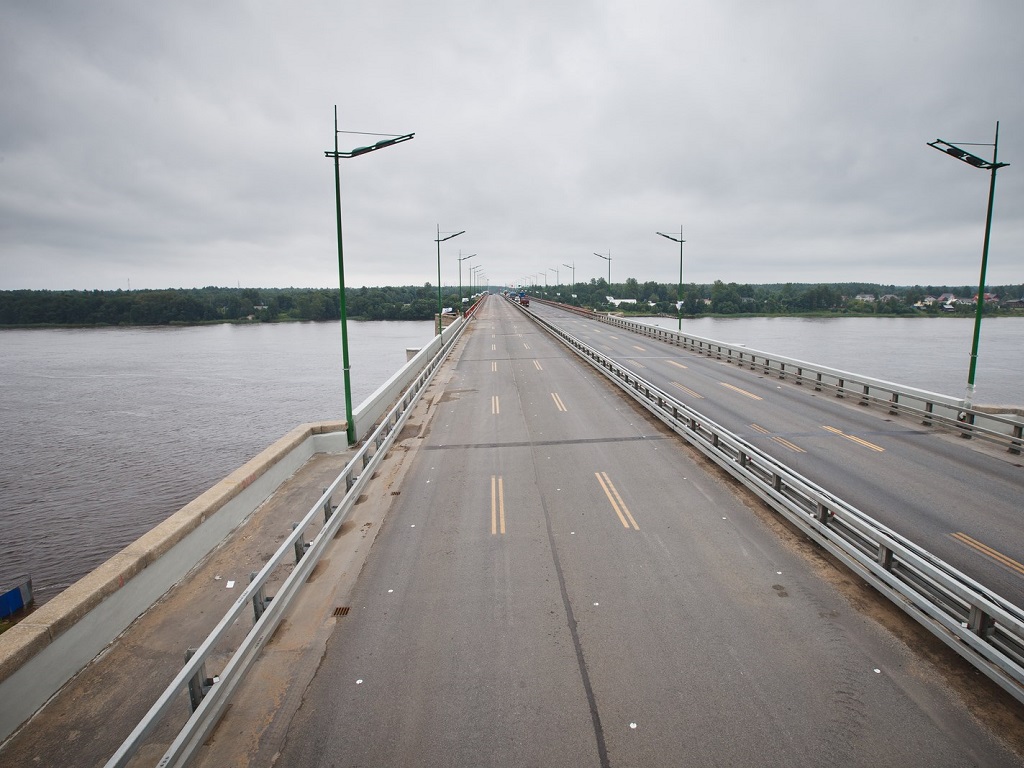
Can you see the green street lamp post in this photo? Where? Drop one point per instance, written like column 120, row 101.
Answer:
column 679, row 240
column 607, row 258
column 994, row 165
column 351, row 427
column 462, row 259
column 573, row 286
column 439, row 241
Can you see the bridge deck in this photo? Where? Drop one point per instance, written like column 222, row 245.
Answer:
column 553, row 580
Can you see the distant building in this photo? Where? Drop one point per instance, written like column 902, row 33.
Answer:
column 617, row 302
column 864, row 297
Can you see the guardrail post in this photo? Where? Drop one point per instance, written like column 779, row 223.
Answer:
column 884, row 557
column 929, row 407
column 1015, row 443
column 300, row 544
column 822, row 515
column 328, row 508
column 980, row 623
column 799, row 376
column 966, row 418
column 865, row 397
column 894, row 403
column 817, row 383
column 259, row 599
column 840, row 388
column 199, row 684
column 782, row 370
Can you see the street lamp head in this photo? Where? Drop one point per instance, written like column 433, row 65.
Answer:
column 372, row 148
column 442, row 239
column 671, row 237
column 964, row 156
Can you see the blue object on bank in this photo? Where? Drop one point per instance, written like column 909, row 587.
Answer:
column 16, row 598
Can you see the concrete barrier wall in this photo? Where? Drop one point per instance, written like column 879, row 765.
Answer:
column 48, row 647
column 376, row 405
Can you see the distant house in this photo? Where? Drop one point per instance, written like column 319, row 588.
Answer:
column 864, row 297
column 946, row 298
column 989, row 297
column 890, row 297
column 617, row 302
column 1014, row 303
column 927, row 301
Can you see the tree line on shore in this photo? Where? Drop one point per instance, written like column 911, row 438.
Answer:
column 214, row 304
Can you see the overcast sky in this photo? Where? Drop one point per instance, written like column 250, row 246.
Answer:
column 182, row 144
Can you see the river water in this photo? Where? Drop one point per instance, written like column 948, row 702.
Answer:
column 930, row 353
column 106, row 432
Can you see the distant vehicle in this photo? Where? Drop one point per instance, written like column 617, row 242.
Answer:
column 524, row 299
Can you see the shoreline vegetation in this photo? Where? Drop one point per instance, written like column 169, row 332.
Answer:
column 213, row 305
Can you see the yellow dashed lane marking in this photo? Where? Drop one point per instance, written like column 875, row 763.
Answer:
column 743, row 392
column 677, row 365
column 857, row 440
column 780, row 440
column 497, row 504
column 687, row 390
column 495, row 405
column 558, row 402
column 986, row 550
column 616, row 500
column 536, row 364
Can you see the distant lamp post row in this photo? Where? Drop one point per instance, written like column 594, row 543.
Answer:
column 985, row 165
column 679, row 309
column 336, row 154
column 440, row 240
column 473, row 275
column 462, row 259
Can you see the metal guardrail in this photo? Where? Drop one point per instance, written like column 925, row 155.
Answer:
column 981, row 626
column 931, row 408
column 210, row 695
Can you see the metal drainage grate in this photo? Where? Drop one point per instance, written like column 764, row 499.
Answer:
column 341, row 610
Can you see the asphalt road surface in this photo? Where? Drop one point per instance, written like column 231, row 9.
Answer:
column 960, row 499
column 562, row 582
